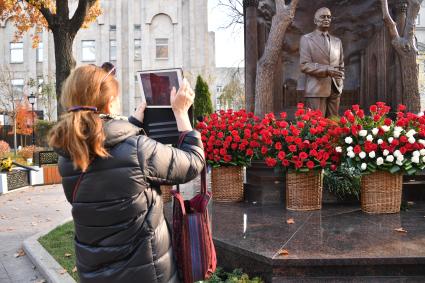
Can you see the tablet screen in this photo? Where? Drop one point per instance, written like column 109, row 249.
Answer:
column 156, row 86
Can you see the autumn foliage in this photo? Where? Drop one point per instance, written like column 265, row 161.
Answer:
column 24, row 120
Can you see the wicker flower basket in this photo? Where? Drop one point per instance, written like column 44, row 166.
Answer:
column 304, row 190
column 227, row 184
column 381, row 192
column 166, row 193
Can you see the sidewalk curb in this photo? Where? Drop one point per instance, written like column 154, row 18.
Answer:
column 44, row 262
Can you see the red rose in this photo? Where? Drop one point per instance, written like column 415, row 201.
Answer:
column 388, row 122
column 333, row 167
column 285, row 162
column 249, row 152
column 376, row 117
column 300, row 125
column 310, row 164
column 303, row 155
column 298, row 164
column 283, row 115
column 278, row 146
column 281, row 155
column 356, row 107
column 373, row 108
column 220, row 135
column 357, row 149
column 403, row 139
column 271, row 162
column 360, row 113
column 234, row 146
column 292, row 148
column 401, row 107
column 264, row 150
column 300, row 105
column 343, row 120
column 227, row 158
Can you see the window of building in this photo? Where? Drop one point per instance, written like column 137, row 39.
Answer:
column 16, row 52
column 137, row 27
column 137, row 49
column 112, row 50
column 40, row 52
column 112, row 27
column 89, row 50
column 18, row 84
column 219, row 88
column 418, row 20
column 162, row 48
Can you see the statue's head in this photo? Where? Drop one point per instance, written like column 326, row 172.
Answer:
column 323, row 18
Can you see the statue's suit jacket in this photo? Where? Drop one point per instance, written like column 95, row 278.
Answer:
column 314, row 60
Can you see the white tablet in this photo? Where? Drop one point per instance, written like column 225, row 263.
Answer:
column 156, row 86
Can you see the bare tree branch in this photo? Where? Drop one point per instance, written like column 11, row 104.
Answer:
column 389, row 22
column 80, row 14
column 234, row 10
column 412, row 12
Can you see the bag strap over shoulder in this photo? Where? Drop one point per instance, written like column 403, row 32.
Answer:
column 203, row 173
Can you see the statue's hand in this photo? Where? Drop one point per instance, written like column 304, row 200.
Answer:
column 335, row 73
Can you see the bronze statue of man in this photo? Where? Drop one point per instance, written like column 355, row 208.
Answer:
column 322, row 62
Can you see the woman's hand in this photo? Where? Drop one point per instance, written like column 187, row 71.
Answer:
column 183, row 99
column 140, row 111
column 180, row 103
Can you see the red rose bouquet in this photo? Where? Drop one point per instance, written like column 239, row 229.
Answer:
column 302, row 145
column 229, row 137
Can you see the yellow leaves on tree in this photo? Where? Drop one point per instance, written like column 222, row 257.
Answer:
column 27, row 14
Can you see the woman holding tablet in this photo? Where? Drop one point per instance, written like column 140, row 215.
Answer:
column 108, row 170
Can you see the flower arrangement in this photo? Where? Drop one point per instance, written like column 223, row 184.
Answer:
column 229, row 137
column 376, row 142
column 302, row 145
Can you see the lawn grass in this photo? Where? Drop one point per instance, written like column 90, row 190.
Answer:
column 60, row 244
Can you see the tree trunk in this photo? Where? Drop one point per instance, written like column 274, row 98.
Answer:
column 15, row 137
column 65, row 61
column 409, row 81
column 268, row 61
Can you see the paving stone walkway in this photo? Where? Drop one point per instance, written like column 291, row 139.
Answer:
column 24, row 213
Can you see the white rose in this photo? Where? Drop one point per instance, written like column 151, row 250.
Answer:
column 348, row 140
column 410, row 133
column 400, row 158
column 379, row 161
column 351, row 154
column 390, row 139
column 375, row 131
column 397, row 153
column 364, row 166
column 390, row 158
column 380, row 141
column 423, row 159
column 422, row 152
column 421, row 114
column 385, row 128
column 397, row 134
column 362, row 155
column 399, row 163
column 421, row 142
column 363, row 133
column 386, row 152
column 398, row 129
column 369, row 138
column 350, row 148
column 415, row 159
column 372, row 154
column 338, row 149
column 416, row 153
column 412, row 140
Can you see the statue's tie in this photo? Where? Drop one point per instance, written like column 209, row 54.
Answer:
column 326, row 42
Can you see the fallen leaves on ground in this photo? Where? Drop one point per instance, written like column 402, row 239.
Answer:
column 62, row 271
column 74, row 269
column 290, row 221
column 41, row 281
column 20, row 253
column 283, row 252
column 67, row 254
column 401, row 230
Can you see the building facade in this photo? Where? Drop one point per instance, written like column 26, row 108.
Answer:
column 134, row 35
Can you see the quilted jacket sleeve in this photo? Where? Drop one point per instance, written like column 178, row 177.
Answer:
column 164, row 164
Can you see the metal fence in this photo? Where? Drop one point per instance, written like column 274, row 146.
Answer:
column 6, row 134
